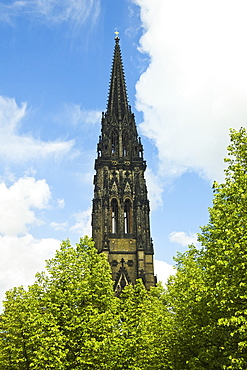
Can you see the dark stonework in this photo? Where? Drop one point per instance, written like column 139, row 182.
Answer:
column 120, row 217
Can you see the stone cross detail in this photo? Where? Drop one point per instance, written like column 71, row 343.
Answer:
column 122, row 262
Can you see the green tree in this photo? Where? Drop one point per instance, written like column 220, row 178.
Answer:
column 25, row 331
column 143, row 326
column 70, row 319
column 67, row 319
column 225, row 257
column 208, row 296
column 195, row 338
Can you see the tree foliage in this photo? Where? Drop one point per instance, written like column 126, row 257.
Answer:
column 66, row 319
column 225, row 257
column 144, row 329
column 70, row 319
column 208, row 296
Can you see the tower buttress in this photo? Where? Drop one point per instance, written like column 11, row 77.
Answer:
column 120, row 216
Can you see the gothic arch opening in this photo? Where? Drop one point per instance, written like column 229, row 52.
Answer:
column 121, row 281
column 114, row 216
column 127, row 216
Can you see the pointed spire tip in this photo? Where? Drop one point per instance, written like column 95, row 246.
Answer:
column 117, row 94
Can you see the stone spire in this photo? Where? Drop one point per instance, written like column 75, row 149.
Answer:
column 117, row 99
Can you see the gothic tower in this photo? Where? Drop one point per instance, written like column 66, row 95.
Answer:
column 120, row 217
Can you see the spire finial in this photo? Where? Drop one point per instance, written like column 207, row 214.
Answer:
column 116, row 33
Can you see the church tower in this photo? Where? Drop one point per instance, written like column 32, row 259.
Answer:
column 120, row 216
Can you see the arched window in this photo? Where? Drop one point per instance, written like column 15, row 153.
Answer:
column 114, row 143
column 127, row 214
column 114, row 216
column 125, row 144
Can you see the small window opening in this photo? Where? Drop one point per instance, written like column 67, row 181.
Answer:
column 114, row 143
column 127, row 210
column 125, row 144
column 114, row 216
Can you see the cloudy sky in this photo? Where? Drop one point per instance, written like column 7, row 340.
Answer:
column 185, row 65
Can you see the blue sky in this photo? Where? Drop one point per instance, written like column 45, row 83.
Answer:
column 185, row 67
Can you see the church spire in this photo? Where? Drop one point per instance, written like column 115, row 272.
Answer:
column 120, row 216
column 117, row 98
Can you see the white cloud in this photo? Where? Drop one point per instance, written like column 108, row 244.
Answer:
column 195, row 87
column 154, row 189
column 59, row 226
column 182, row 238
column 10, row 114
column 22, row 258
column 163, row 270
column 17, row 204
column 54, row 11
column 60, row 203
column 7, row 176
column 30, row 172
column 18, row 148
column 83, row 223
column 75, row 115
